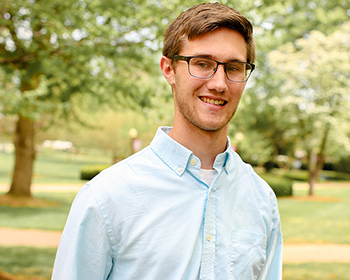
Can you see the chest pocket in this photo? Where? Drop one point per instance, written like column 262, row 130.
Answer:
column 248, row 254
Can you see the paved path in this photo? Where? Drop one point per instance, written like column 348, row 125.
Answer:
column 298, row 253
column 292, row 253
column 48, row 188
column 31, row 237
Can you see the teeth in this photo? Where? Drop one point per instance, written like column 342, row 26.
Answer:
column 212, row 101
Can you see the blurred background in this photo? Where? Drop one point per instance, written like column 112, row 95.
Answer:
column 81, row 89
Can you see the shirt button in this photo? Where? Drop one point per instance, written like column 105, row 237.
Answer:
column 193, row 161
column 179, row 169
column 208, row 237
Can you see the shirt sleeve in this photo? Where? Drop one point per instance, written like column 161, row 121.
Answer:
column 84, row 252
column 273, row 265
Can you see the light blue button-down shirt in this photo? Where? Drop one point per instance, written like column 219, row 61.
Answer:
column 153, row 217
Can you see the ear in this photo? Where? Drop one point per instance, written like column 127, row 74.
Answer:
column 167, row 69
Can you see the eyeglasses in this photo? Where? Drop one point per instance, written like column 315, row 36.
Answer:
column 204, row 68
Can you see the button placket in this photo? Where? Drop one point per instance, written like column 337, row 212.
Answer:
column 208, row 254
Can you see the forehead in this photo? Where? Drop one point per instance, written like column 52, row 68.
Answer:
column 222, row 44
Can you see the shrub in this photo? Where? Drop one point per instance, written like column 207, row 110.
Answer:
column 330, row 166
column 88, row 172
column 281, row 186
column 270, row 165
column 343, row 165
column 296, row 175
column 334, row 176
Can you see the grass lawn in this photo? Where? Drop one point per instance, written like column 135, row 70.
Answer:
column 317, row 221
column 45, row 218
column 323, row 220
column 54, row 167
column 39, row 262
column 316, row 271
column 302, row 221
column 27, row 261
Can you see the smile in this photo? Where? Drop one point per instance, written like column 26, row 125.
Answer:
column 213, row 101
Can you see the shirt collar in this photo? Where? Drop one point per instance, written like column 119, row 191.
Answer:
column 177, row 157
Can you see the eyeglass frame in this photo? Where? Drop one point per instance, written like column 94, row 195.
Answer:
column 188, row 58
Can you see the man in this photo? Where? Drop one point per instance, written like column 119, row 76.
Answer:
column 186, row 207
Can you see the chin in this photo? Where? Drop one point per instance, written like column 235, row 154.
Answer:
column 212, row 127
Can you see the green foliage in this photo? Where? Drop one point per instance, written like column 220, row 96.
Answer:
column 27, row 261
column 65, row 58
column 295, row 175
column 109, row 131
column 302, row 175
column 280, row 185
column 329, row 175
column 88, row 172
column 252, row 146
column 61, row 55
column 343, row 165
column 277, row 23
column 313, row 109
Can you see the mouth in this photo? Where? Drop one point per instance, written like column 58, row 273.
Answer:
column 213, row 101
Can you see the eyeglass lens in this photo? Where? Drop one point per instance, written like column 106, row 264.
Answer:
column 205, row 68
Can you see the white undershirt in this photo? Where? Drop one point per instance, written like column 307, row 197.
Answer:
column 207, row 175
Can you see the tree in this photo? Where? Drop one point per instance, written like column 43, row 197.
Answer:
column 110, row 132
column 315, row 103
column 61, row 57
column 277, row 23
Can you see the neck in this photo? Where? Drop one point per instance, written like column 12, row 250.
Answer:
column 206, row 145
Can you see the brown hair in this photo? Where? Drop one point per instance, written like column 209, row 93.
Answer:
column 205, row 18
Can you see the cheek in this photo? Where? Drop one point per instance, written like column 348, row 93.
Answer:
column 237, row 90
column 188, row 84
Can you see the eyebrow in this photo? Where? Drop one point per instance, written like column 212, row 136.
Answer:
column 212, row 57
column 204, row 55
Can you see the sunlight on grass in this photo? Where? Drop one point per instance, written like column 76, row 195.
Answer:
column 325, row 219
column 54, row 167
column 27, row 260
column 39, row 261
column 316, row 271
column 316, row 221
column 45, row 218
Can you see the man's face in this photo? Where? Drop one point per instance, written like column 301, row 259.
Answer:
column 207, row 104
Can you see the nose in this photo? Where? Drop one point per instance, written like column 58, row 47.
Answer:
column 218, row 81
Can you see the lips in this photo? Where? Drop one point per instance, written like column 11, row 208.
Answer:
column 213, row 101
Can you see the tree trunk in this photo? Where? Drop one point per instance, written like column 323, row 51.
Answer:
column 316, row 160
column 24, row 158
column 312, row 168
column 313, row 175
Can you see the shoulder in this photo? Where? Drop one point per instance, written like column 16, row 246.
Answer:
column 257, row 184
column 116, row 188
column 122, row 171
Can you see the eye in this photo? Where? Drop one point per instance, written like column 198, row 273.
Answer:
column 235, row 67
column 203, row 64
